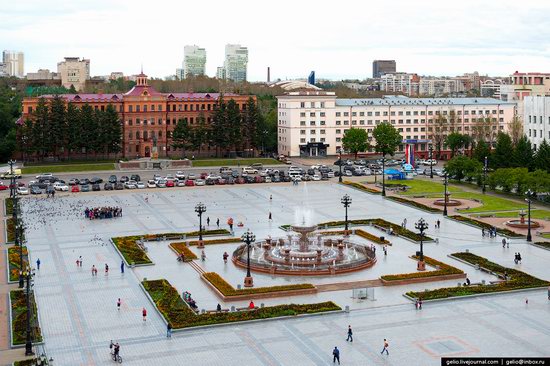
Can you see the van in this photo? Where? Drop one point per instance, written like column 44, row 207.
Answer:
column 7, row 174
column 258, row 166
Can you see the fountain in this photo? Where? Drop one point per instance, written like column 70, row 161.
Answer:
column 450, row 202
column 522, row 222
column 306, row 253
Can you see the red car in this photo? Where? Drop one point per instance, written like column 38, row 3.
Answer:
column 222, row 182
column 204, row 175
column 75, row 189
column 239, row 180
column 259, row 179
column 170, row 183
column 189, row 183
column 16, row 185
column 3, row 187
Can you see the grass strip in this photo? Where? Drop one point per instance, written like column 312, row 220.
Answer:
column 361, row 187
column 443, row 269
column 418, row 205
column 69, row 168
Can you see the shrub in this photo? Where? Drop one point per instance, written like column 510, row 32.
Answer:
column 486, row 226
column 15, row 262
column 19, row 318
column 444, row 269
column 127, row 245
column 517, row 280
column 216, row 241
column 358, row 232
column 151, row 237
column 10, row 230
column 227, row 290
column 361, row 187
column 179, row 315
column 545, row 244
column 414, row 204
column 181, row 248
column 8, row 204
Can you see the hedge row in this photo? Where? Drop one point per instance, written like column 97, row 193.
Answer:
column 151, row 237
column 216, row 241
column 358, row 232
column 15, row 262
column 483, row 225
column 444, row 269
column 179, row 315
column 517, row 280
column 181, row 248
column 8, row 206
column 545, row 244
column 10, row 230
column 361, row 187
column 19, row 318
column 227, row 290
column 420, row 206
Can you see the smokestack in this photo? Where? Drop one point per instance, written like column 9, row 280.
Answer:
column 268, row 74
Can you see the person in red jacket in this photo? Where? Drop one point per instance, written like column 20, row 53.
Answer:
column 144, row 313
column 251, row 305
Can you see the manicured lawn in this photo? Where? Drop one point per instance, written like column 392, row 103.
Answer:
column 72, row 162
column 234, row 162
column 535, row 214
column 490, row 203
column 546, row 235
column 418, row 186
column 67, row 168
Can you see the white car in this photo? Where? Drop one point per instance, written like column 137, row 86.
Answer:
column 316, row 177
column 22, row 191
column 430, row 162
column 131, row 184
column 169, row 177
column 156, row 177
column 140, row 185
column 213, row 177
column 330, row 174
column 58, row 186
column 180, row 182
column 192, row 176
column 268, row 179
column 161, row 183
column 315, row 167
column 348, row 173
column 250, row 170
column 180, row 174
column 151, row 183
column 263, row 173
column 200, row 182
column 44, row 175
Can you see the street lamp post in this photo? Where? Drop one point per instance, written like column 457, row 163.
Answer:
column 421, row 226
column 483, row 188
column 200, row 208
column 12, row 178
column 383, row 175
column 340, row 161
column 529, row 194
column 446, row 198
column 28, row 343
column 248, row 237
column 431, row 153
column 346, row 201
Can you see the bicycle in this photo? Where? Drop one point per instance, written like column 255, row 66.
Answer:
column 116, row 358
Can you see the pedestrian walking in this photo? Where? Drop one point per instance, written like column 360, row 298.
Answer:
column 270, row 198
column 94, row 270
column 218, row 222
column 118, row 304
column 203, row 255
column 225, row 256
column 144, row 314
column 516, row 258
column 350, row 334
column 482, row 232
column 438, row 224
column 385, row 349
column 208, row 221
column 121, row 266
column 270, row 217
column 420, row 304
column 404, row 222
column 336, row 355
column 416, row 304
column 519, row 258
column 385, row 247
column 503, row 242
column 38, row 264
column 169, row 330
column 106, row 269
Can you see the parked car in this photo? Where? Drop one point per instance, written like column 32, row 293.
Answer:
column 180, row 174
column 3, row 187
column 276, row 179
column 131, row 184
column 74, row 181
column 96, row 180
column 23, row 191
column 210, row 182
column 58, row 186
column 431, row 162
column 84, row 181
column 267, row 179
column 191, row 176
column 213, row 177
column 203, row 175
column 44, row 175
column 316, row 178
column 199, row 182
column 225, row 169
column 259, row 179
column 35, row 189
column 96, row 187
column 249, row 179
column 250, row 170
column 170, row 183
column 108, row 186
column 221, row 182
column 113, row 179
column 135, row 177
column 330, row 174
column 239, row 180
column 180, row 182
column 75, row 189
column 85, row 188
column 151, row 183
column 189, row 183
column 347, row 173
column 124, row 179
column 119, row 186
column 161, row 183
column 140, row 185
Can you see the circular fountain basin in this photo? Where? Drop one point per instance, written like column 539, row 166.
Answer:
column 450, row 202
column 521, row 224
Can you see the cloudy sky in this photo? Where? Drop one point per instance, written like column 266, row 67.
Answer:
column 337, row 39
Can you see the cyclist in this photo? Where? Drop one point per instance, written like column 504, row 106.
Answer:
column 117, row 351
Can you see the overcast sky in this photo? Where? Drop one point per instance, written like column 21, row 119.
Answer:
column 337, row 39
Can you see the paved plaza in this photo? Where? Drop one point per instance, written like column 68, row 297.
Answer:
column 79, row 317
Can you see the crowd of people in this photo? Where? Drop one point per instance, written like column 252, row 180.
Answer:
column 491, row 232
column 102, row 212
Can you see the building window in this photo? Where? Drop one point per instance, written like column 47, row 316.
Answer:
column 338, row 123
column 30, row 110
column 323, row 139
column 137, row 121
column 312, row 123
column 303, row 141
column 322, row 123
column 370, row 114
column 160, row 134
column 338, row 139
column 130, row 122
column 152, row 107
column 313, row 132
column 302, row 104
column 362, row 122
column 346, row 114
column 312, row 114
column 338, row 131
column 302, row 132
column 302, row 114
column 137, row 108
column 322, row 114
column 302, row 123
column 322, row 132
column 322, row 104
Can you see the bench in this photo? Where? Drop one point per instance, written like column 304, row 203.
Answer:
column 246, row 308
column 216, row 312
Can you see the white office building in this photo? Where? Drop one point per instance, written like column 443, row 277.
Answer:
column 74, row 72
column 313, row 123
column 536, row 119
column 194, row 61
column 14, row 63
column 236, row 62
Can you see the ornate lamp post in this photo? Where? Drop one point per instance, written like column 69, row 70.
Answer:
column 529, row 194
column 421, row 226
column 446, row 198
column 248, row 237
column 200, row 208
column 340, row 165
column 431, row 154
column 383, row 175
column 12, row 179
column 346, row 201
column 28, row 343
column 483, row 188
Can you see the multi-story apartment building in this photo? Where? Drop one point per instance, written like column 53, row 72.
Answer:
column 525, row 84
column 236, row 62
column 400, row 82
column 536, row 119
column 439, row 86
column 147, row 116
column 314, row 123
column 382, row 67
column 42, row 74
column 74, row 71
column 194, row 61
column 14, row 63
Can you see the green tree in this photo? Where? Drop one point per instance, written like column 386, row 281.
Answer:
column 250, row 122
column 234, row 126
column 455, row 141
column 181, row 136
column 387, row 139
column 40, row 125
column 355, row 140
column 89, row 123
column 113, row 130
column 219, row 136
column 481, row 151
column 76, row 131
column 199, row 134
column 523, row 153
column 461, row 167
column 501, row 157
column 440, row 128
column 542, row 157
column 55, row 136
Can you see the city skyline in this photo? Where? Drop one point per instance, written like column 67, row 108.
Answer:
column 500, row 38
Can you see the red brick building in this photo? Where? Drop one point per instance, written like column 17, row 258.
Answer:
column 148, row 115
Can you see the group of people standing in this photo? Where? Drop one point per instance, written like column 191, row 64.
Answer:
column 102, row 212
column 491, row 232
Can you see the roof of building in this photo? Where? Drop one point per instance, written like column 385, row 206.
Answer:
column 399, row 100
column 82, row 97
column 137, row 91
column 295, row 84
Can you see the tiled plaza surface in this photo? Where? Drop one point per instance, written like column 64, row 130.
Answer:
column 79, row 317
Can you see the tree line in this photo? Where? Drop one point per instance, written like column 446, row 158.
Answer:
column 58, row 129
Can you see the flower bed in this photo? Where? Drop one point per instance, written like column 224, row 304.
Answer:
column 181, row 248
column 420, row 206
column 8, row 205
column 130, row 250
column 216, row 241
column 544, row 244
column 444, row 269
column 483, row 225
column 227, row 290
column 29, row 362
column 517, row 280
column 371, row 237
column 19, row 318
column 152, row 237
column 10, row 230
column 179, row 315
column 15, row 262
column 361, row 187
